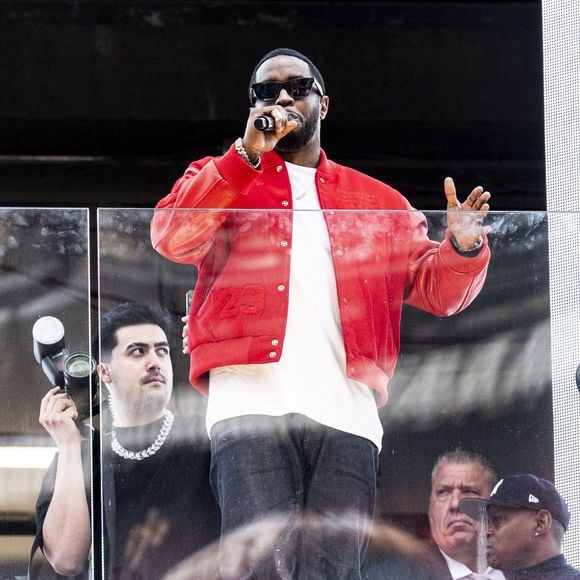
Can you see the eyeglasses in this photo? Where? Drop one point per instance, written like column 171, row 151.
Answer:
column 298, row 88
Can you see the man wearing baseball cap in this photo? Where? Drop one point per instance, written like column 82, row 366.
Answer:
column 526, row 519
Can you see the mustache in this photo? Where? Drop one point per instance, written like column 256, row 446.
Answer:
column 153, row 376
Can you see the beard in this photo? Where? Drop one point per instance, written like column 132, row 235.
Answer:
column 298, row 138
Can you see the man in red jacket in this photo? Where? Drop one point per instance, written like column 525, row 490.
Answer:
column 294, row 325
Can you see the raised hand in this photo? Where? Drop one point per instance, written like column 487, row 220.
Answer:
column 465, row 220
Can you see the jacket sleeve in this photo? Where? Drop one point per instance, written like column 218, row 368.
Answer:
column 440, row 280
column 179, row 230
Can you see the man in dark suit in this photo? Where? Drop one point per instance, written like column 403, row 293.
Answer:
column 456, row 475
column 452, row 554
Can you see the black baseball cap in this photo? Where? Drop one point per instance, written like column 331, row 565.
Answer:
column 521, row 491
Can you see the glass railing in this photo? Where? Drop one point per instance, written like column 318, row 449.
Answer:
column 474, row 371
column 471, row 359
column 44, row 318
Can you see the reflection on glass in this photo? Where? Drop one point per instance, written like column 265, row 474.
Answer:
column 472, row 380
column 44, row 275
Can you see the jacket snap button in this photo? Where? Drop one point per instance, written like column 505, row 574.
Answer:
column 283, row 243
column 272, row 354
column 275, row 342
column 281, row 287
column 285, row 203
column 278, row 168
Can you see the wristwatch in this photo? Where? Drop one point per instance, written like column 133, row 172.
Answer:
column 467, row 253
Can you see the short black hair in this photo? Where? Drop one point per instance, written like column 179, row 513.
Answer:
column 463, row 456
column 286, row 52
column 128, row 314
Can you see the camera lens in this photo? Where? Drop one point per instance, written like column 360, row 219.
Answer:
column 79, row 365
column 80, row 374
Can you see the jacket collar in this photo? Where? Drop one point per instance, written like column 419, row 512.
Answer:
column 326, row 168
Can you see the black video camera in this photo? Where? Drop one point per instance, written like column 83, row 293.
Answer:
column 75, row 372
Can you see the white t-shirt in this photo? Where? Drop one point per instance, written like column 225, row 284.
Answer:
column 310, row 377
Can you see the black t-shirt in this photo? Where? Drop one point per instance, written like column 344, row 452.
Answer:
column 158, row 510
column 553, row 568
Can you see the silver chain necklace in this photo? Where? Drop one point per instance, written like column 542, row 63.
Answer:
column 152, row 449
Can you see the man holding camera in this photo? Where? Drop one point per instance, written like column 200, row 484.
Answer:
column 158, row 506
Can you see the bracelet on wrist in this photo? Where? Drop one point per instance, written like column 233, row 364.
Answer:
column 239, row 144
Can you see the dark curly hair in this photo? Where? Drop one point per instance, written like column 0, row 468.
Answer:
column 128, row 314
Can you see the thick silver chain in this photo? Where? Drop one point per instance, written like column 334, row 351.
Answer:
column 152, row 449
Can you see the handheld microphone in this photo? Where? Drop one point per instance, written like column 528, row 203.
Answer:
column 266, row 122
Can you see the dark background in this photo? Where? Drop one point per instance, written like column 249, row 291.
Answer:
column 105, row 102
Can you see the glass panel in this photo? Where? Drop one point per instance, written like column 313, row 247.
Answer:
column 479, row 379
column 44, row 286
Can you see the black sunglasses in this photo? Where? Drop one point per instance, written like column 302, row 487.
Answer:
column 298, row 88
